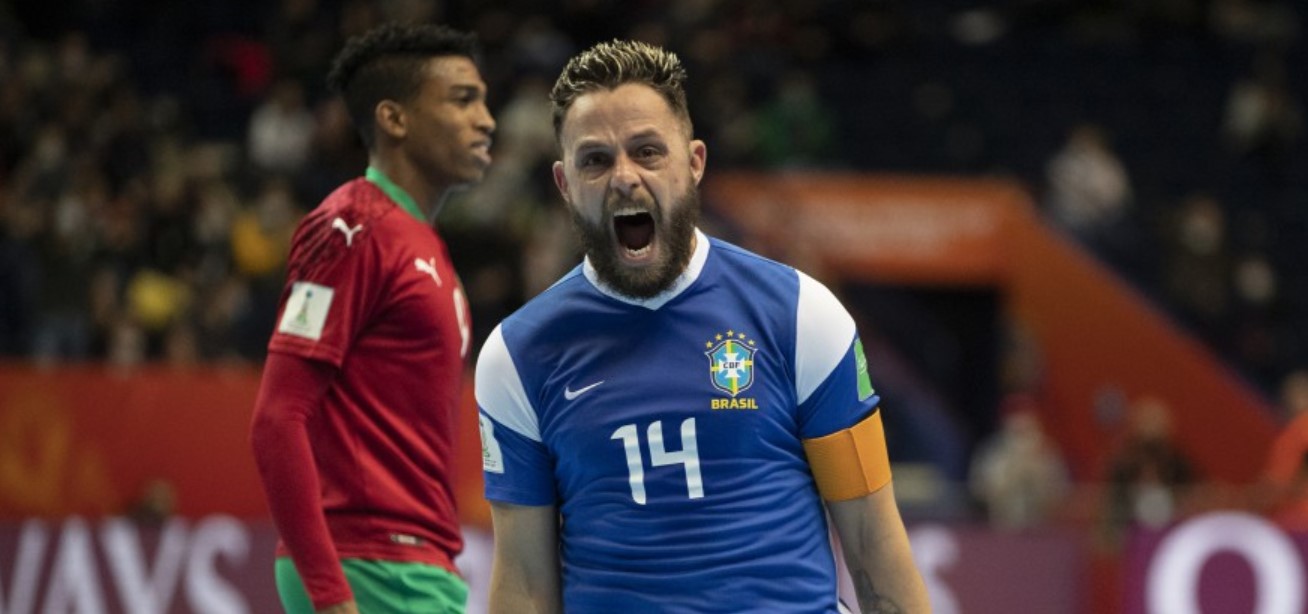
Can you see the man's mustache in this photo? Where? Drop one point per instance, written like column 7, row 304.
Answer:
column 616, row 202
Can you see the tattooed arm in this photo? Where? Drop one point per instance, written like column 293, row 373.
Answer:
column 876, row 550
column 525, row 571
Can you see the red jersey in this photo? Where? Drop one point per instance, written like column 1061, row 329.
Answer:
column 371, row 290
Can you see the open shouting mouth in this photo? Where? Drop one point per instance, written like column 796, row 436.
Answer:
column 634, row 229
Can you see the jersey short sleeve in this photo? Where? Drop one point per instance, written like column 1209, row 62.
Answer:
column 832, row 386
column 516, row 463
column 331, row 292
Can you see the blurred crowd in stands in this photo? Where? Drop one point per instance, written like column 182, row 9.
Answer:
column 156, row 156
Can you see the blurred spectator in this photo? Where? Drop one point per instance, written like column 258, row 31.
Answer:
column 1264, row 22
column 551, row 250
column 1088, row 191
column 156, row 503
column 1149, row 478
column 65, row 245
column 18, row 279
column 1286, row 473
column 211, row 225
column 169, row 242
column 796, row 129
column 1258, row 313
column 729, row 120
column 281, row 130
column 261, row 235
column 127, row 344
column 235, row 72
column 260, row 242
column 335, row 155
column 300, row 36
column 514, row 191
column 156, row 301
column 181, row 345
column 1263, row 120
column 1197, row 266
column 1018, row 474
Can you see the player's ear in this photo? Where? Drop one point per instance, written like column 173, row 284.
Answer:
column 698, row 159
column 560, row 179
column 390, row 119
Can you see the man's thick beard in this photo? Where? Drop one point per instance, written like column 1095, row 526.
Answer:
column 677, row 236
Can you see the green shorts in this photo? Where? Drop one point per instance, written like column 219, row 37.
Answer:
column 382, row 587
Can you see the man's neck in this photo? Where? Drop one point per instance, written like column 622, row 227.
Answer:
column 425, row 196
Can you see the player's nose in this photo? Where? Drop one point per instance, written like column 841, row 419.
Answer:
column 624, row 179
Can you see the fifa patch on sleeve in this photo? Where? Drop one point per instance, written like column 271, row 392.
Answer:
column 864, row 381
column 492, row 459
column 306, row 310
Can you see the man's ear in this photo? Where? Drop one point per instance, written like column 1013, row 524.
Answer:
column 698, row 159
column 391, row 119
column 560, row 179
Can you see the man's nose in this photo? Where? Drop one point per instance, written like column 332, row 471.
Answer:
column 484, row 121
column 625, row 179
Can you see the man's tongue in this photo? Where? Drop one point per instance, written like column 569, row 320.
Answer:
column 634, row 231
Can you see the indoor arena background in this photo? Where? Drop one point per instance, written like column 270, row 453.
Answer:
column 1074, row 235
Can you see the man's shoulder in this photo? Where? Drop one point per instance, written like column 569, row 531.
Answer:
column 729, row 250
column 355, row 202
column 352, row 214
column 752, row 268
column 551, row 305
column 346, row 221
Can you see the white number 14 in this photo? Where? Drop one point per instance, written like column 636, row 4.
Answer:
column 659, row 456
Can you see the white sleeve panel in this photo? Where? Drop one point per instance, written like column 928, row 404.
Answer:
column 499, row 389
column 823, row 333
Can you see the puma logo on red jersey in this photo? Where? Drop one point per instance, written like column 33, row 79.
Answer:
column 428, row 266
column 339, row 224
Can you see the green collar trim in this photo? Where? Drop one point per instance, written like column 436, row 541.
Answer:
column 396, row 193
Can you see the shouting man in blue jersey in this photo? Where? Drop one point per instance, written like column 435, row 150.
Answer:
column 662, row 427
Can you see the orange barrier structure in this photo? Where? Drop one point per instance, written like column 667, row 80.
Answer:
column 1096, row 334
column 89, row 440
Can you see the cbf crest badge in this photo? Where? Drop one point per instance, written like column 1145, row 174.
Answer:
column 731, row 366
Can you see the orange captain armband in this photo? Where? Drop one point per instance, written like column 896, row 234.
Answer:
column 850, row 463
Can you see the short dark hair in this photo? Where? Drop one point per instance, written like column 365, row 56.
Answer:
column 609, row 65
column 386, row 63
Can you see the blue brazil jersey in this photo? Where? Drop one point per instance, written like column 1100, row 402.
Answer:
column 668, row 432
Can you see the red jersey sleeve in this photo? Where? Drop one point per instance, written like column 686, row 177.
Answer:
column 291, row 391
column 335, row 280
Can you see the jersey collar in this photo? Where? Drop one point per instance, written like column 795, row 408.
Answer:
column 396, row 193
column 683, row 281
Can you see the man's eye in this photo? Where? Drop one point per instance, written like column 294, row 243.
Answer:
column 594, row 159
column 465, row 97
column 649, row 153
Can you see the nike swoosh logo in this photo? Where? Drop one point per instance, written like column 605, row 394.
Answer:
column 572, row 394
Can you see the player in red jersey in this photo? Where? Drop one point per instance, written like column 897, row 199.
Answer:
column 353, row 424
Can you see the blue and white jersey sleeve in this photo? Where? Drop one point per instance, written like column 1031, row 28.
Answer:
column 832, row 387
column 516, row 464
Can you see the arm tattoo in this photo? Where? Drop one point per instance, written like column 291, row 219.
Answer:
column 870, row 601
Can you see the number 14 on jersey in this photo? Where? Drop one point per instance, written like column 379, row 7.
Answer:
column 688, row 456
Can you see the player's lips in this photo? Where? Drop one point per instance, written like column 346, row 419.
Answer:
column 635, row 232
column 481, row 149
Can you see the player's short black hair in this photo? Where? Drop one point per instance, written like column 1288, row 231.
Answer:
column 386, row 63
column 608, row 65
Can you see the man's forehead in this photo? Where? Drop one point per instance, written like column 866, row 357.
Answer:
column 629, row 111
